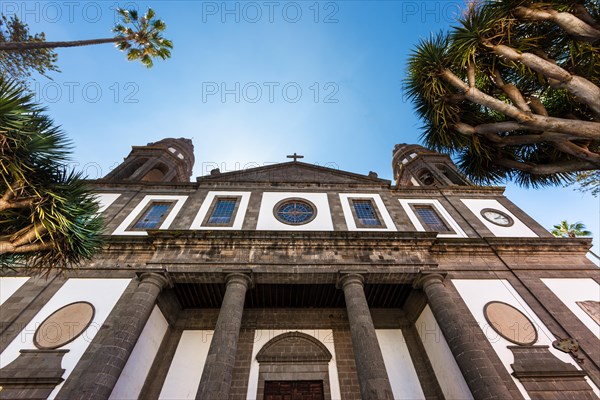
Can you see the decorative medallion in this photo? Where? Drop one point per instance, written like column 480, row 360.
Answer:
column 510, row 323
column 295, row 211
column 568, row 345
column 64, row 325
column 497, row 217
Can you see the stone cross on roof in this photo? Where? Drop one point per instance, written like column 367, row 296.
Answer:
column 295, row 156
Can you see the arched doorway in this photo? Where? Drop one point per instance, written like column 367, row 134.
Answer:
column 295, row 366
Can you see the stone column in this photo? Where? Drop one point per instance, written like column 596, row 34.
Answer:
column 479, row 372
column 218, row 368
column 109, row 360
column 372, row 375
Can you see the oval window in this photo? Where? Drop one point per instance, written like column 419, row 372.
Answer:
column 510, row 323
column 64, row 325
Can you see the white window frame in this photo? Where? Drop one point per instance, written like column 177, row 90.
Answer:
column 458, row 232
column 208, row 201
column 387, row 224
column 135, row 214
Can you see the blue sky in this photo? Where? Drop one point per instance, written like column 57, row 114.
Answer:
column 251, row 82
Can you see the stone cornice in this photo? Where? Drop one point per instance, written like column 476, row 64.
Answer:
column 362, row 239
column 106, row 185
column 450, row 190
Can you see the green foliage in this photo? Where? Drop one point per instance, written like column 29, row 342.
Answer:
column 142, row 37
column 20, row 64
column 21, row 53
column 39, row 194
column 589, row 181
column 442, row 107
column 564, row 229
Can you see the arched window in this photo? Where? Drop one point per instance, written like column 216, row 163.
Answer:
column 450, row 174
column 426, row 177
column 129, row 169
column 156, row 174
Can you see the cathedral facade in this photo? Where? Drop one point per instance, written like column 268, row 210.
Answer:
column 298, row 282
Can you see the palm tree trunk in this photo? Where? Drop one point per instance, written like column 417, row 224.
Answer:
column 51, row 45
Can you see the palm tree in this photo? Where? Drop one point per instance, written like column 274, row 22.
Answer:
column 141, row 37
column 513, row 91
column 48, row 218
column 564, row 229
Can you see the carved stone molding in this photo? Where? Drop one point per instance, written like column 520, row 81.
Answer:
column 34, row 374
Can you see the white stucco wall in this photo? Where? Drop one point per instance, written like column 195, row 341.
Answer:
column 458, row 232
column 518, row 229
column 106, row 199
column 267, row 220
column 186, row 368
column 440, row 356
column 401, row 371
column 101, row 293
column 239, row 216
column 571, row 290
column 351, row 223
column 135, row 213
column 262, row 336
column 477, row 293
column 9, row 285
column 140, row 361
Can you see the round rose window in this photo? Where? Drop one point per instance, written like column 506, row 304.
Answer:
column 295, row 211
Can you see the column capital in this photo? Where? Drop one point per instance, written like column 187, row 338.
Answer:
column 159, row 279
column 350, row 278
column 239, row 277
column 428, row 278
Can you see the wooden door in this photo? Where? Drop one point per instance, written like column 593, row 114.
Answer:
column 294, row 390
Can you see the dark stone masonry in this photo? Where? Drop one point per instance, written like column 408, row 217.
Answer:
column 293, row 281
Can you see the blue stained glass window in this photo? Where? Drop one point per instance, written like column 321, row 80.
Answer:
column 365, row 212
column 295, row 212
column 223, row 212
column 431, row 218
column 153, row 216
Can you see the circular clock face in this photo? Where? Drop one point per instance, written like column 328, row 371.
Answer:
column 497, row 217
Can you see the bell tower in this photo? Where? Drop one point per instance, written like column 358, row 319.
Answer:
column 415, row 165
column 168, row 160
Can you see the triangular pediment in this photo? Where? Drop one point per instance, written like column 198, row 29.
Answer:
column 294, row 172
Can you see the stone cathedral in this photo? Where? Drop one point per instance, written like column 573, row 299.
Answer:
column 298, row 282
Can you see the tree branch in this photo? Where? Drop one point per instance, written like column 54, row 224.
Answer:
column 537, row 106
column 34, row 232
column 567, row 21
column 577, row 151
column 583, row 14
column 546, row 169
column 8, row 195
column 584, row 129
column 471, row 74
column 559, row 78
column 511, row 91
column 24, row 203
column 8, row 248
column 491, row 132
